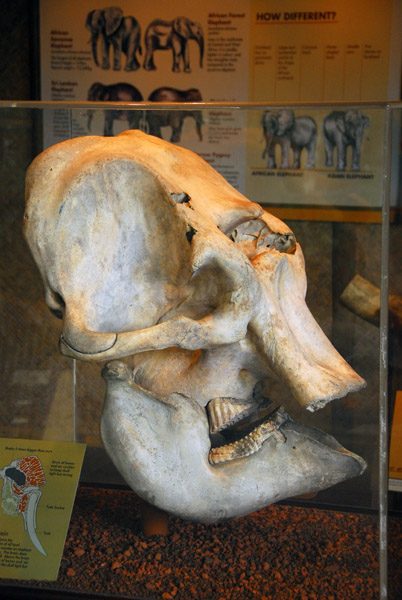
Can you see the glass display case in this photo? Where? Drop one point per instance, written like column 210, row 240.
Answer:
column 340, row 199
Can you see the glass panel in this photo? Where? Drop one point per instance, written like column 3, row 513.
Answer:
column 335, row 251
column 334, row 212
column 36, row 382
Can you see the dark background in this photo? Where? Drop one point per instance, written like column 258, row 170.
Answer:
column 19, row 44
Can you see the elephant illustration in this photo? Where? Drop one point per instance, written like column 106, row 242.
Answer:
column 342, row 129
column 173, row 35
column 290, row 132
column 123, row 33
column 173, row 118
column 119, row 92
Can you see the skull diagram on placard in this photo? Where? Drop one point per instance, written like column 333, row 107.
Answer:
column 147, row 252
column 20, row 495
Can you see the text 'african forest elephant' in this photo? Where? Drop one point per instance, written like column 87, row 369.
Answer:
column 147, row 252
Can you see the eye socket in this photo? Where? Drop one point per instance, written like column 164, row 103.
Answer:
column 56, row 313
column 55, row 303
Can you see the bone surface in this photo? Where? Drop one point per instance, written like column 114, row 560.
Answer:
column 161, row 446
column 146, row 252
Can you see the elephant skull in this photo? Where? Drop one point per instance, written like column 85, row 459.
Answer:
column 146, row 251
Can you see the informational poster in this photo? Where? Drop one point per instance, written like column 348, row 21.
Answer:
column 324, row 170
column 235, row 51
column 39, row 482
column 156, row 53
column 320, row 51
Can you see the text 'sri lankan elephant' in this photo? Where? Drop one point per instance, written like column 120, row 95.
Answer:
column 342, row 129
column 173, row 35
column 289, row 132
column 123, row 33
column 173, row 118
column 119, row 92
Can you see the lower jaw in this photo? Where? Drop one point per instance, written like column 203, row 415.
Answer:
column 241, row 419
column 160, row 445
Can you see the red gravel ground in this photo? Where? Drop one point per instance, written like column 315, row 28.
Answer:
column 280, row 553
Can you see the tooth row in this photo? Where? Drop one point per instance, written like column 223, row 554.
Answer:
column 223, row 412
column 252, row 442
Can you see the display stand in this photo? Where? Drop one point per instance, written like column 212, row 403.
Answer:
column 154, row 521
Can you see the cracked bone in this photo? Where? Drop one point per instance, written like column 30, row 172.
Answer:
column 146, row 251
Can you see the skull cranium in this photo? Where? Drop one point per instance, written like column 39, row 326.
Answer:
column 145, row 250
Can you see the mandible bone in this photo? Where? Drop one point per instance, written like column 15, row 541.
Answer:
column 146, row 251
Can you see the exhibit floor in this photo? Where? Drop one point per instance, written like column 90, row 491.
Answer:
column 282, row 552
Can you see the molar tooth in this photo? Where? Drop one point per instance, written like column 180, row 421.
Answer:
column 223, row 412
column 252, row 442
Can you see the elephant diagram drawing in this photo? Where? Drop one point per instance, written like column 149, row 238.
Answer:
column 173, row 35
column 281, row 128
column 124, row 35
column 116, row 30
column 148, row 121
column 118, row 92
column 173, row 118
column 340, row 129
column 20, row 495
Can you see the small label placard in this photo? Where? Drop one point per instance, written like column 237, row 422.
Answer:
column 395, row 451
column 38, row 481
